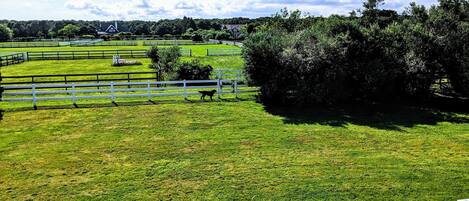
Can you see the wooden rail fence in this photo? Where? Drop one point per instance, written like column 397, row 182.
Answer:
column 223, row 52
column 11, row 59
column 77, row 78
column 84, row 54
column 113, row 90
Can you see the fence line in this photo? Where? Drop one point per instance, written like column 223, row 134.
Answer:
column 11, row 59
column 84, row 54
column 174, row 42
column 146, row 89
column 223, row 52
column 105, row 43
column 92, row 54
column 78, row 78
column 29, row 44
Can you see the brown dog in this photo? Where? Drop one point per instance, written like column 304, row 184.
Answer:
column 207, row 93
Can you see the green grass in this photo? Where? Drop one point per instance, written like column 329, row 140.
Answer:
column 104, row 65
column 226, row 150
column 197, row 50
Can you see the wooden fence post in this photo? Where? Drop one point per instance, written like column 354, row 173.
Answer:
column 149, row 90
column 235, row 86
column 185, row 90
column 74, row 97
column 219, row 88
column 113, row 97
column 33, row 90
column 128, row 80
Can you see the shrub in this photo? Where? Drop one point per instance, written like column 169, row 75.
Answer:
column 87, row 37
column 5, row 33
column 337, row 61
column 192, row 70
column 164, row 60
column 197, row 38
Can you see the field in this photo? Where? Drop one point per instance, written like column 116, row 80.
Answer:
column 224, row 150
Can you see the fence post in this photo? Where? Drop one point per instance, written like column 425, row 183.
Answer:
column 219, row 88
column 74, row 97
column 33, row 89
column 235, row 88
column 113, row 97
column 128, row 80
column 97, row 80
column 66, row 82
column 149, row 90
column 185, row 90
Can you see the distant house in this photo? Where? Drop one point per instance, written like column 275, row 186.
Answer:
column 111, row 30
column 234, row 29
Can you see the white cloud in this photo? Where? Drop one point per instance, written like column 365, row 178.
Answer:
column 160, row 9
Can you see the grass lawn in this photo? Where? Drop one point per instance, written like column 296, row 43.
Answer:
column 197, row 50
column 225, row 150
column 104, row 66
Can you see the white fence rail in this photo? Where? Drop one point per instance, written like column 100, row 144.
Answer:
column 113, row 90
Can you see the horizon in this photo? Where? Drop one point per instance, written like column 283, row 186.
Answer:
column 154, row 10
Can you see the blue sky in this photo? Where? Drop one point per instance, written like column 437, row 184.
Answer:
column 169, row 9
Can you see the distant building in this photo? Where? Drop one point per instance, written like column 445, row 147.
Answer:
column 111, row 30
column 234, row 29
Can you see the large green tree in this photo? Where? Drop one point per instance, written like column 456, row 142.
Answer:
column 69, row 30
column 5, row 33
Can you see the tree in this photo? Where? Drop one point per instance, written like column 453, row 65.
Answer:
column 192, row 70
column 163, row 60
column 69, row 30
column 5, row 33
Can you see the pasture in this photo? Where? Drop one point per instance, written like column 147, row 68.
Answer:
column 171, row 148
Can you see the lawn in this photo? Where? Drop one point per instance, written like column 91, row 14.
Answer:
column 232, row 149
column 197, row 50
column 104, row 65
column 224, row 150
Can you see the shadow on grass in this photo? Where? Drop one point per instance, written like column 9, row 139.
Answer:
column 386, row 117
column 125, row 104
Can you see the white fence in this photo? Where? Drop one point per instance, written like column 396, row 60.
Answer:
column 113, row 90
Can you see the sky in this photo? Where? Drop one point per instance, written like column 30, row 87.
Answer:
column 170, row 9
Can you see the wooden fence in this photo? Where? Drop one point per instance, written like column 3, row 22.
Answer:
column 29, row 44
column 92, row 54
column 11, row 59
column 113, row 90
column 105, row 43
column 84, row 54
column 77, row 78
column 223, row 52
column 174, row 43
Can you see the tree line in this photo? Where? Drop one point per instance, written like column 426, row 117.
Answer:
column 373, row 54
column 175, row 27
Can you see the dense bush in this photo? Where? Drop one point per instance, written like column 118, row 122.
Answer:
column 337, row 59
column 5, row 33
column 197, row 38
column 164, row 60
column 192, row 70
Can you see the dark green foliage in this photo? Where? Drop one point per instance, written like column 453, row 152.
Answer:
column 338, row 60
column 449, row 23
column 5, row 33
column 153, row 55
column 197, row 37
column 192, row 70
column 164, row 60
